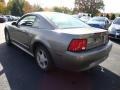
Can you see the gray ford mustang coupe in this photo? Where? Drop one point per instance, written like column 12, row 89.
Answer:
column 59, row 40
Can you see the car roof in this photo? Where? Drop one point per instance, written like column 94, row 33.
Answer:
column 99, row 17
column 45, row 13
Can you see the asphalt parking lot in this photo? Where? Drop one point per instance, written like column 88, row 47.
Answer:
column 18, row 71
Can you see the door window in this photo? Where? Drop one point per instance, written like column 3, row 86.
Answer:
column 27, row 21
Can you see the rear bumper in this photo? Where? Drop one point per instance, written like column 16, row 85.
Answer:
column 84, row 60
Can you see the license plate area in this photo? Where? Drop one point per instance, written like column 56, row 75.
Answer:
column 100, row 38
column 117, row 33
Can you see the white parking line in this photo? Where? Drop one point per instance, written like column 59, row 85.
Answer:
column 2, row 39
column 4, row 85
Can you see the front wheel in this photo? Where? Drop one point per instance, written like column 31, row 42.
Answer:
column 7, row 38
column 43, row 58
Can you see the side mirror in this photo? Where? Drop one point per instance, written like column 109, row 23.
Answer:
column 14, row 23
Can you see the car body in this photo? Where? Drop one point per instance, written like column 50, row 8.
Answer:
column 3, row 19
column 114, row 29
column 67, row 42
column 99, row 22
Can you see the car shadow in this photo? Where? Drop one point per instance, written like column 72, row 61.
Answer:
column 23, row 73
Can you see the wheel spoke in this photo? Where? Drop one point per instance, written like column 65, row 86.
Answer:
column 42, row 59
column 44, row 65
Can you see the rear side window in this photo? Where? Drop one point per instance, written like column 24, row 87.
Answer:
column 41, row 23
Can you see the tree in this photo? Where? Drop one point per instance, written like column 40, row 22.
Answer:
column 89, row 6
column 108, row 16
column 37, row 8
column 27, row 7
column 57, row 9
column 16, row 7
column 2, row 1
column 66, row 10
column 113, row 16
column 20, row 7
column 2, row 6
column 75, row 11
column 62, row 9
column 101, row 15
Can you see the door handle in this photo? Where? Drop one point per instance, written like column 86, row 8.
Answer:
column 25, row 32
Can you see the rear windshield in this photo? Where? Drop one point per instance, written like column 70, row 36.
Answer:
column 100, row 19
column 117, row 21
column 65, row 21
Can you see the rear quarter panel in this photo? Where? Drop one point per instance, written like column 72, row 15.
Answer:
column 56, row 43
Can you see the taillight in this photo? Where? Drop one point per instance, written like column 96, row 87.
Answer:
column 77, row 45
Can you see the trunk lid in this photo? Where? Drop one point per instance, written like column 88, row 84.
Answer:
column 95, row 37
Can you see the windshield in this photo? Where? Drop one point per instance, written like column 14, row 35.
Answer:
column 117, row 21
column 65, row 21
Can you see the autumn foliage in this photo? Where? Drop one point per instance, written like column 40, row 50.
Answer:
column 17, row 7
column 2, row 6
column 27, row 7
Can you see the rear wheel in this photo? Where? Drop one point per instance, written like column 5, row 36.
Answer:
column 43, row 58
column 7, row 38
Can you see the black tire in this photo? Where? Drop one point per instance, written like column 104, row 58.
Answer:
column 49, row 64
column 7, row 38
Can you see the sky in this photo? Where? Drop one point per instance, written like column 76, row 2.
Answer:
column 111, row 6
column 51, row 3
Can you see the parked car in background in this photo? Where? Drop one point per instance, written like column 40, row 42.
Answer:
column 3, row 19
column 17, row 17
column 11, row 18
column 99, row 22
column 85, row 18
column 114, row 29
column 83, row 14
column 59, row 40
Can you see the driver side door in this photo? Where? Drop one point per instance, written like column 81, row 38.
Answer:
column 22, row 34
